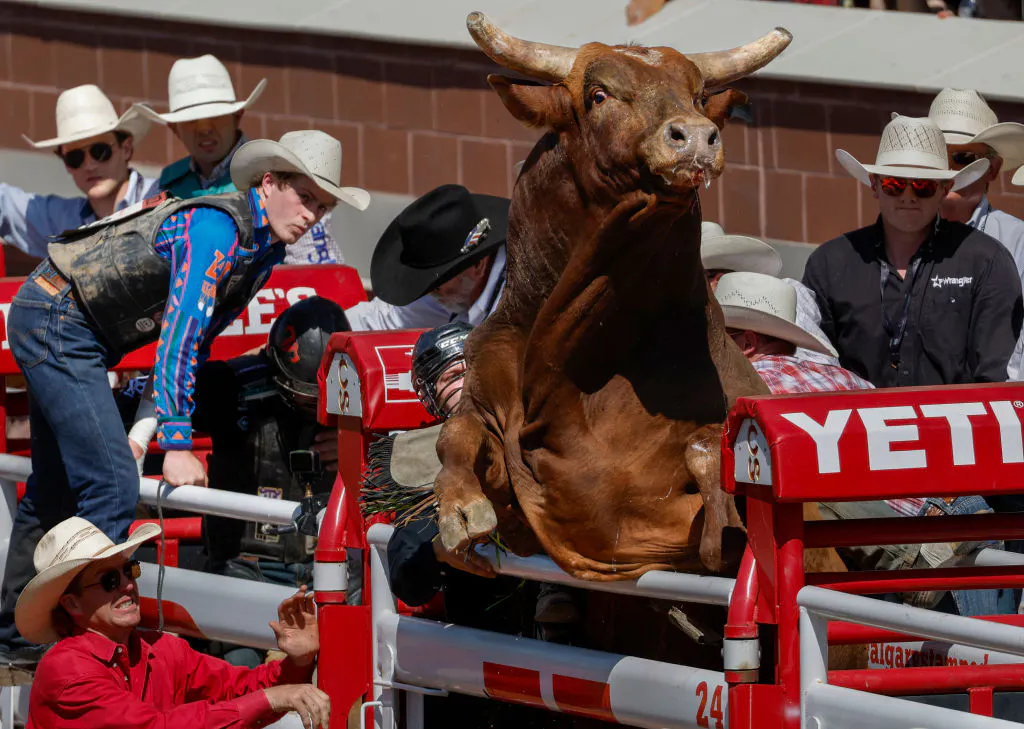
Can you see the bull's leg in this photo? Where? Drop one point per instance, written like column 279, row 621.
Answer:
column 703, row 460
column 464, row 512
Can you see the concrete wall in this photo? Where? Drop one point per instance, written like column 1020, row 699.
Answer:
column 413, row 117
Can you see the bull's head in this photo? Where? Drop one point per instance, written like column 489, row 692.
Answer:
column 646, row 118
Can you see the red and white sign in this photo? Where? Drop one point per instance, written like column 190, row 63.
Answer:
column 874, row 444
column 396, row 363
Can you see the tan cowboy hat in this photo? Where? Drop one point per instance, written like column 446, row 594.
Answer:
column 84, row 112
column 914, row 148
column 965, row 117
column 309, row 152
column 200, row 88
column 61, row 554
column 766, row 305
column 736, row 252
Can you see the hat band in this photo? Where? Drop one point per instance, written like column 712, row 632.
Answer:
column 201, row 103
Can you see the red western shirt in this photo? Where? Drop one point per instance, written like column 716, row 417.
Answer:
column 90, row 682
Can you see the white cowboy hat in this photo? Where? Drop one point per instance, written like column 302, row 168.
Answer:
column 61, row 554
column 914, row 148
column 200, row 88
column 84, row 112
column 309, row 152
column 766, row 305
column 965, row 117
column 736, row 252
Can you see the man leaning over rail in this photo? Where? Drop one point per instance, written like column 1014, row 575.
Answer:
column 104, row 672
column 177, row 272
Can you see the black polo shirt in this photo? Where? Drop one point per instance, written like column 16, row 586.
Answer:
column 963, row 306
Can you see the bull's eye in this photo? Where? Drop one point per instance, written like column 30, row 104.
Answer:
column 598, row 95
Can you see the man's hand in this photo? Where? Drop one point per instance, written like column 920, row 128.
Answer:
column 326, row 444
column 137, row 451
column 312, row 705
column 469, row 561
column 182, row 468
column 298, row 634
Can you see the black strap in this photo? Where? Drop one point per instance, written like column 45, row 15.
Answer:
column 896, row 334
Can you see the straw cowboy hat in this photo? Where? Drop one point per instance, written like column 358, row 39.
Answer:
column 308, row 152
column 200, row 88
column 914, row 148
column 736, row 252
column 765, row 305
column 61, row 554
column 965, row 117
column 84, row 112
column 435, row 238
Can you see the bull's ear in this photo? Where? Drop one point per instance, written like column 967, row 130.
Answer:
column 725, row 105
column 545, row 107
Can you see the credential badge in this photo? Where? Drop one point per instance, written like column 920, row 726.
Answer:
column 476, row 236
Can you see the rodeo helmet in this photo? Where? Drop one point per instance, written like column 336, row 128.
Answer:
column 296, row 345
column 435, row 352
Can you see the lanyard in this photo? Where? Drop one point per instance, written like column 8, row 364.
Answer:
column 896, row 334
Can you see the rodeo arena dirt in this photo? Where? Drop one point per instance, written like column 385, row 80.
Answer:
column 440, row 376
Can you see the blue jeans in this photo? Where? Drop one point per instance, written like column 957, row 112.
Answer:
column 81, row 461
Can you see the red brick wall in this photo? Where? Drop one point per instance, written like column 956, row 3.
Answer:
column 411, row 118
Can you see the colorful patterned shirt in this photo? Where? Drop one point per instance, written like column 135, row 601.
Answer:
column 787, row 375
column 202, row 246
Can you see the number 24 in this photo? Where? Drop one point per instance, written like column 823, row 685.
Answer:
column 716, row 706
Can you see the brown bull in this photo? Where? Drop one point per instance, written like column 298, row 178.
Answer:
column 590, row 423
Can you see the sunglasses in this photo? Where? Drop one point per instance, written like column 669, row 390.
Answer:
column 962, row 159
column 894, row 186
column 111, row 579
column 100, row 151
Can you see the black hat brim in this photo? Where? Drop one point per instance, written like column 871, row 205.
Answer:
column 399, row 284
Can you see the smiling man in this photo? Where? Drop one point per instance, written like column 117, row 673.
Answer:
column 96, row 146
column 206, row 117
column 915, row 299
column 104, row 672
column 179, row 273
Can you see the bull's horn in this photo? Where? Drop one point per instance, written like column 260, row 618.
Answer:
column 538, row 60
column 723, row 67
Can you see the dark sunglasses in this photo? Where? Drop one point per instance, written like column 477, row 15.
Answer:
column 111, row 579
column 100, row 151
column 962, row 159
column 894, row 186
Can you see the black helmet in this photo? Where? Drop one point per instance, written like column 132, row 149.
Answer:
column 296, row 345
column 435, row 352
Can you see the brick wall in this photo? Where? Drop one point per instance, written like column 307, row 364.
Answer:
column 411, row 118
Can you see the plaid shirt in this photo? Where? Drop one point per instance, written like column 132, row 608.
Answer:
column 787, row 375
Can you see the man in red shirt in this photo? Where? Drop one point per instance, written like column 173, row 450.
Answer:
column 105, row 672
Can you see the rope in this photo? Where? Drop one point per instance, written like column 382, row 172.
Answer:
column 163, row 558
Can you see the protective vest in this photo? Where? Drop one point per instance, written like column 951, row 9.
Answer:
column 268, row 431
column 180, row 180
column 123, row 283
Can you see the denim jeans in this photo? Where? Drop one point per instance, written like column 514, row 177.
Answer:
column 81, row 461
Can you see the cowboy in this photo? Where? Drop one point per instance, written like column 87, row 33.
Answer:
column 914, row 299
column 973, row 131
column 130, row 280
column 205, row 116
column 761, row 317
column 103, row 671
column 721, row 254
column 442, row 259
column 96, row 146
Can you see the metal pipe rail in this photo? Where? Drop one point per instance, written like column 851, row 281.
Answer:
column 658, row 584
column 213, row 502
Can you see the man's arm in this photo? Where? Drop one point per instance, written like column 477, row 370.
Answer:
column 996, row 318
column 28, row 220
column 816, row 279
column 378, row 315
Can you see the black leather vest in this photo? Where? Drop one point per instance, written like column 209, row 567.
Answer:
column 123, row 283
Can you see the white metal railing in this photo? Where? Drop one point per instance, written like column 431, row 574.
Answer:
column 837, row 707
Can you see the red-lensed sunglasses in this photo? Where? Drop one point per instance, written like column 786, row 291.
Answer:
column 894, row 186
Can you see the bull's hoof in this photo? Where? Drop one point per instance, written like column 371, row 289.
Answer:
column 466, row 523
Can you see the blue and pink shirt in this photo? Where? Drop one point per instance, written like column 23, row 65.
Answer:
column 202, row 244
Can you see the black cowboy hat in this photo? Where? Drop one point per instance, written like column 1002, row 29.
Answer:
column 438, row 236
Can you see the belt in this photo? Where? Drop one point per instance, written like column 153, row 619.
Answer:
column 48, row 278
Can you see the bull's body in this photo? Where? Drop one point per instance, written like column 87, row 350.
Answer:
column 591, row 415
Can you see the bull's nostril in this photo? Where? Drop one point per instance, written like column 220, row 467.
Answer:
column 713, row 139
column 676, row 134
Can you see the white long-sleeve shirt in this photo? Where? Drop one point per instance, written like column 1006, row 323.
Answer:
column 426, row 312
